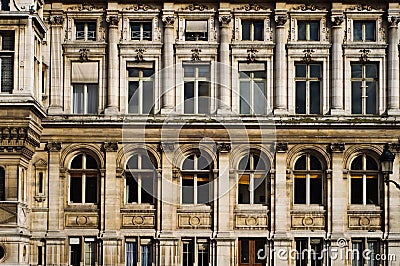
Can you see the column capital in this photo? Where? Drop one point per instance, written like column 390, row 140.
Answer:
column 224, row 147
column 393, row 21
column 281, row 147
column 56, row 20
column 112, row 20
column 337, row 20
column 337, row 147
column 168, row 20
column 281, row 20
column 111, row 146
column 225, row 20
column 53, row 146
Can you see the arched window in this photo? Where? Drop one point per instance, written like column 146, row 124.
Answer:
column 2, row 184
column 84, row 175
column 196, row 177
column 141, row 179
column 252, row 181
column 308, row 185
column 364, row 183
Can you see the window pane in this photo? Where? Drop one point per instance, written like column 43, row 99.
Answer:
column 260, row 245
column 188, row 164
column 133, row 97
column 76, row 189
column 300, row 189
column 148, row 97
column 91, row 34
column 91, row 189
column 77, row 162
column 373, row 246
column 244, row 189
column 316, row 252
column 90, row 162
column 259, row 97
column 244, row 163
column 315, row 71
column 244, row 251
column 301, row 70
column 315, row 97
column 147, row 31
column 316, row 190
column 75, row 255
column 356, row 71
column 147, row 251
column 188, row 71
column 300, row 97
column 259, row 189
column 245, row 97
column 203, row 188
column 204, row 97
column 131, row 253
column 371, row 98
column 135, row 31
column 357, row 31
column 77, row 98
column 189, row 98
column 301, row 163
column 314, row 31
column 246, row 30
column 357, row 163
column 187, row 189
column 202, row 254
column 7, row 71
column 372, row 190
column 204, row 71
column 133, row 162
column 147, row 189
column 3, row 184
column 357, row 252
column 92, row 99
column 258, row 31
column 301, row 30
column 371, row 71
column 5, row 5
column 301, row 248
column 188, row 250
column 370, row 31
column 371, row 163
column 131, row 189
column 315, row 164
column 356, row 93
column 133, row 72
column 90, row 253
column 356, row 190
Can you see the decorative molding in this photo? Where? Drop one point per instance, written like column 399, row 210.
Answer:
column 139, row 54
column 308, row 7
column 364, row 55
column 110, row 146
column 307, row 55
column 251, row 7
column 112, row 21
column 196, row 54
column 337, row 20
column 84, row 55
column 281, row 20
column 393, row 21
column 168, row 20
column 86, row 7
column 166, row 146
column 362, row 8
column 176, row 172
column 140, row 7
column 40, row 164
column 224, row 147
column 337, row 147
column 139, row 219
column 53, row 146
column 193, row 7
column 281, row 146
column 225, row 19
column 251, row 54
column 40, row 198
column 56, row 20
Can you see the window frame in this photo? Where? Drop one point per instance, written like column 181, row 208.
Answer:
column 141, row 79
column 252, row 29
column 308, row 30
column 82, row 247
column 196, row 79
column 312, row 255
column 141, row 30
column 5, row 53
column 364, row 80
column 195, row 251
column 86, row 24
column 364, row 23
column 308, row 80
column 253, row 86
column 196, row 38
column 85, row 99
column 138, row 251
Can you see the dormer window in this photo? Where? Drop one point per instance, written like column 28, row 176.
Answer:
column 196, row 30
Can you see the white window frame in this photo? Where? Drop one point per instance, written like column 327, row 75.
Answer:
column 141, row 32
column 364, row 80
column 140, row 79
column 86, row 31
column 307, row 80
column 196, row 242
column 85, row 98
column 253, row 87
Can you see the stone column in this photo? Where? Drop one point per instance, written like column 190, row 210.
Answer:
column 393, row 107
column 56, row 64
column 168, row 75
column 225, row 91
column 337, row 64
column 224, row 222
column 113, row 66
column 280, row 66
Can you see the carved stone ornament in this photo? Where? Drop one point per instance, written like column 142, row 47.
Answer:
column 337, row 147
column 393, row 21
column 251, row 6
column 138, row 7
column 167, row 147
column 56, row 20
column 362, row 8
column 281, row 146
column 193, row 7
column 169, row 20
column 225, row 19
column 223, row 147
column 139, row 54
column 281, row 20
column 307, row 55
column 196, row 54
column 85, row 7
column 251, row 54
column 112, row 20
column 337, row 20
column 53, row 146
column 84, row 55
column 110, row 146
column 308, row 6
column 364, row 55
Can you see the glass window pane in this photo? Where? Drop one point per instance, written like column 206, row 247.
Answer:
column 300, row 189
column 90, row 253
column 301, row 70
column 91, row 189
column 189, row 98
column 259, row 189
column 357, row 31
column 188, row 250
column 301, row 30
column 147, row 31
column 203, row 188
column 301, row 163
column 188, row 164
column 76, row 252
column 92, row 100
column 203, row 163
column 188, row 71
column 356, row 93
column 301, row 248
column 259, row 97
column 187, row 190
column 7, row 70
column 131, row 253
column 246, row 30
column 147, row 251
column 77, row 99
column 315, row 97
column 372, row 190
column 91, row 162
column 371, row 163
column 356, row 71
column 3, row 184
column 315, row 71
column 244, row 251
column 300, row 97
column 244, row 163
column 133, row 162
column 356, row 164
column 314, row 31
column 7, row 38
column 133, row 97
column 357, row 253
column 133, row 72
column 370, row 31
column 316, row 252
column 315, row 164
column 245, row 97
column 356, row 190
column 259, row 74
column 148, row 97
column 77, row 162
column 244, row 189
column 204, row 97
column 147, row 188
column 371, row 98
column 371, row 71
column 258, row 31
column 204, row 71
column 202, row 254
column 131, row 189
column 148, row 72
column 373, row 246
column 316, row 190
column 76, row 189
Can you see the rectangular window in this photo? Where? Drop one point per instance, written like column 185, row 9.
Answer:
column 252, row 82
column 188, row 252
column 140, row 88
column 253, row 251
column 90, row 252
column 5, row 5
column 196, row 30
column 147, row 252
column 40, row 255
column 373, row 247
column 141, row 31
column 364, row 88
column 308, row 88
column 7, row 60
column 85, row 30
column 308, row 30
column 196, row 89
column 131, row 252
column 195, row 254
column 75, row 250
column 357, row 252
column 252, row 30
column 76, row 189
column 85, row 95
column 309, row 251
column 364, row 31
column 40, row 183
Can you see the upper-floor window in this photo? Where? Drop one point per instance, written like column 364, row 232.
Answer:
column 364, row 180
column 2, row 184
column 308, row 30
column 252, row 180
column 7, row 60
column 252, row 88
column 252, row 30
column 364, row 31
column 196, row 180
column 196, row 30
column 196, row 89
column 140, row 88
column 308, row 88
column 141, row 31
column 84, row 79
column 364, row 85
column 5, row 5
column 83, row 187
column 308, row 185
column 85, row 30
column 141, row 179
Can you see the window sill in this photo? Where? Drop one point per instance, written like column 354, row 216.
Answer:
column 82, row 207
column 194, row 208
column 251, row 207
column 364, row 208
column 308, row 208
column 136, row 206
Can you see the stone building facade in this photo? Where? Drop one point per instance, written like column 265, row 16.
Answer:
column 212, row 133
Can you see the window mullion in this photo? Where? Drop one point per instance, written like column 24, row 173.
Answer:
column 251, row 188
column 83, row 187
column 195, row 188
column 139, row 181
